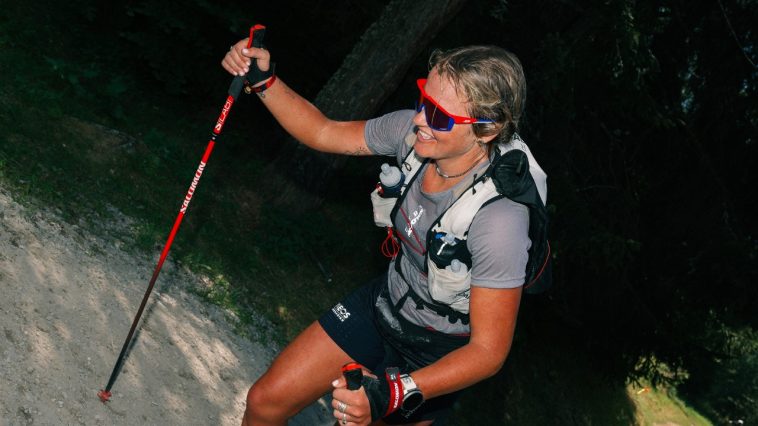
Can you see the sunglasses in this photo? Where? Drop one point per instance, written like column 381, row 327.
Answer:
column 436, row 116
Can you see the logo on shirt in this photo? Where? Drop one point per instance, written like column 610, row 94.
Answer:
column 415, row 217
column 341, row 312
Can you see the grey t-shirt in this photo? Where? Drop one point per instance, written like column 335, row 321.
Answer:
column 498, row 238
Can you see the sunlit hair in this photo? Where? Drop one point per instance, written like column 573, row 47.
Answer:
column 492, row 80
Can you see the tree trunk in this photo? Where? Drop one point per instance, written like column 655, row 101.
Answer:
column 369, row 74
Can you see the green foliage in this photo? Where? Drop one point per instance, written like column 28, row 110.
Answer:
column 662, row 405
column 726, row 384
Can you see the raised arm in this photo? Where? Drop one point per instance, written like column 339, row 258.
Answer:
column 296, row 115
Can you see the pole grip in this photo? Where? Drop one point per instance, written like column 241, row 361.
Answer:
column 353, row 373
column 257, row 32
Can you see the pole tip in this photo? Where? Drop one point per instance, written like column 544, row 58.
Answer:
column 104, row 395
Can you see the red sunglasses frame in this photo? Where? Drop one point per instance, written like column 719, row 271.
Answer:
column 452, row 118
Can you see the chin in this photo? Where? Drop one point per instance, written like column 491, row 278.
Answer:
column 424, row 147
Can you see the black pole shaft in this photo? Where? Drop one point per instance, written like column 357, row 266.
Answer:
column 124, row 348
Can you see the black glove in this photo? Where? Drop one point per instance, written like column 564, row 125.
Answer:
column 255, row 75
column 385, row 393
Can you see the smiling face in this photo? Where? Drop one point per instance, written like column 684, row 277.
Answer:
column 457, row 148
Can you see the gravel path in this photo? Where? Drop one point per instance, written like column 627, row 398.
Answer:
column 66, row 303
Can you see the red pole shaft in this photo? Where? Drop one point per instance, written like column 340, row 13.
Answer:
column 105, row 394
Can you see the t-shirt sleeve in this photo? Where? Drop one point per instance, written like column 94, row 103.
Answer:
column 385, row 135
column 499, row 243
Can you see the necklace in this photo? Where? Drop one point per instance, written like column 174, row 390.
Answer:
column 439, row 172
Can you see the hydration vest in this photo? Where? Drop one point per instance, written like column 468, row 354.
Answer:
column 513, row 174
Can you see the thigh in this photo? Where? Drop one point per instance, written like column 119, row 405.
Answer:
column 304, row 370
column 351, row 324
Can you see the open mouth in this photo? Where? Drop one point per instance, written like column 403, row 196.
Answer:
column 424, row 136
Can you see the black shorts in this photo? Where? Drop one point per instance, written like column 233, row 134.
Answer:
column 351, row 324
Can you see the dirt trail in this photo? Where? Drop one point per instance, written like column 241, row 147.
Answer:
column 67, row 299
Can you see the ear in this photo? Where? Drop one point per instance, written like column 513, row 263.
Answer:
column 486, row 131
column 488, row 138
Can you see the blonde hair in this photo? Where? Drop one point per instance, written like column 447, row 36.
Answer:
column 492, row 80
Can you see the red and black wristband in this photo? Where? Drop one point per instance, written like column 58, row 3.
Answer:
column 264, row 86
column 392, row 375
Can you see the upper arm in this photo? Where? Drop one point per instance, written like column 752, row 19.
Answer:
column 499, row 244
column 383, row 135
column 343, row 137
column 493, row 313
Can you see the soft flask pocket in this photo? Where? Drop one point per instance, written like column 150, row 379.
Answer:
column 442, row 251
column 450, row 288
column 382, row 209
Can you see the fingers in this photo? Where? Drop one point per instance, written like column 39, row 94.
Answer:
column 340, row 382
column 346, row 413
column 353, row 403
column 345, row 418
column 237, row 60
column 350, row 407
column 234, row 61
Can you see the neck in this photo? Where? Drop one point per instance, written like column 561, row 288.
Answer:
column 455, row 169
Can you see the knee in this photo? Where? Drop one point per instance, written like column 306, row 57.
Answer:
column 259, row 395
column 264, row 404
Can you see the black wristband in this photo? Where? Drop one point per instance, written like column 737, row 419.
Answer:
column 255, row 76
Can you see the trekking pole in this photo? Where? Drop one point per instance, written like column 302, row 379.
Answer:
column 256, row 40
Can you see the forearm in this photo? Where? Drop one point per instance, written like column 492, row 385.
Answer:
column 309, row 125
column 295, row 114
column 298, row 116
column 457, row 371
column 493, row 322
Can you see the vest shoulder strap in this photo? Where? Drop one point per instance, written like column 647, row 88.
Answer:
column 456, row 220
column 469, row 199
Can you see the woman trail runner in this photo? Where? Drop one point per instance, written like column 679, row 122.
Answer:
column 418, row 348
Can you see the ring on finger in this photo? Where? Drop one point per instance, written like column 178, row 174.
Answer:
column 341, row 407
column 344, row 418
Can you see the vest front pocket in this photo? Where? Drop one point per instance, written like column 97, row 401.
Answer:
column 382, row 209
column 450, row 288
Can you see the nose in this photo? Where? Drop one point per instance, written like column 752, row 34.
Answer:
column 420, row 118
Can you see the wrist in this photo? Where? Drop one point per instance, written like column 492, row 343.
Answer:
column 412, row 396
column 264, row 85
column 403, row 392
column 262, row 79
column 391, row 393
column 395, row 387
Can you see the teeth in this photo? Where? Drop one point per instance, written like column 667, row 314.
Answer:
column 424, row 135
